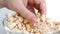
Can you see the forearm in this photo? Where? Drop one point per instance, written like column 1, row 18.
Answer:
column 1, row 3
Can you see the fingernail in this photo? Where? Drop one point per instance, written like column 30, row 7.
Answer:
column 33, row 19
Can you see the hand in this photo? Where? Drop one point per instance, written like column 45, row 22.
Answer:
column 26, row 7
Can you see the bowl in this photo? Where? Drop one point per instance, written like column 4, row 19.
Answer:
column 10, row 31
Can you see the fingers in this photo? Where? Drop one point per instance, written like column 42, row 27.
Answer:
column 30, row 7
column 27, row 14
column 22, row 10
column 41, row 6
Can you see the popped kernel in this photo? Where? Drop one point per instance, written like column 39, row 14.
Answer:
column 38, row 15
column 8, row 20
column 25, row 21
column 28, row 28
column 42, row 26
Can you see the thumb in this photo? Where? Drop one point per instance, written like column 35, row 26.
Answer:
column 22, row 10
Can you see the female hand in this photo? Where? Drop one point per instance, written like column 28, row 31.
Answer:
column 25, row 7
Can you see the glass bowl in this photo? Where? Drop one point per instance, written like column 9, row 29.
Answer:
column 9, row 31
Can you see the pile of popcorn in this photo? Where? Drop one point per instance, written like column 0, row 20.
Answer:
column 42, row 26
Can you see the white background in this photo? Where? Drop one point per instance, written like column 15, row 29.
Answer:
column 53, row 11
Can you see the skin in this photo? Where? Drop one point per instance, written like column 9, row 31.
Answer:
column 25, row 7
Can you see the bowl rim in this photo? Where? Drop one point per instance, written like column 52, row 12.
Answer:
column 8, row 29
column 5, row 27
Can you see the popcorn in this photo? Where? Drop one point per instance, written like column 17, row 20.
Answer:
column 38, row 15
column 25, row 21
column 20, row 19
column 43, row 25
column 28, row 28
column 11, row 26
